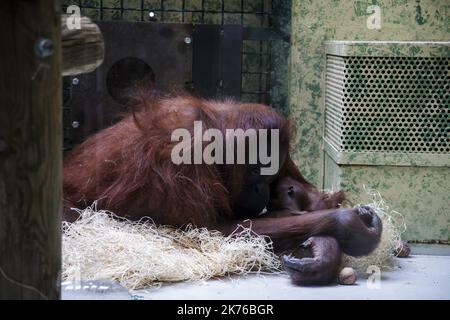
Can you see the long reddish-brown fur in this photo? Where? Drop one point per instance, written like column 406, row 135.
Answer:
column 128, row 169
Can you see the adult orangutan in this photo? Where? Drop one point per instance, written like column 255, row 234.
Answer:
column 128, row 168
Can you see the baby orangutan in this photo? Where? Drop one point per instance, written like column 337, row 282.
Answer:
column 317, row 261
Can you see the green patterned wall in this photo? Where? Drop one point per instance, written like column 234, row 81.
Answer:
column 420, row 193
column 314, row 22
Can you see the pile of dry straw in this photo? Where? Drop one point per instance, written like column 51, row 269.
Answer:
column 393, row 227
column 141, row 254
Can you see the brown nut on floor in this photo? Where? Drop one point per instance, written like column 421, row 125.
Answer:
column 402, row 250
column 347, row 276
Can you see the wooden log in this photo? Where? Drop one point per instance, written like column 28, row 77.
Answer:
column 83, row 49
column 30, row 149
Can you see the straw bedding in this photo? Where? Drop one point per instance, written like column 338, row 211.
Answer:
column 393, row 228
column 140, row 254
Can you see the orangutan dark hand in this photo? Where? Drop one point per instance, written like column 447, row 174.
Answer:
column 358, row 230
column 320, row 267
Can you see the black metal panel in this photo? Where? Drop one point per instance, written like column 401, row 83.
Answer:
column 160, row 52
column 232, row 61
column 206, row 73
column 217, row 63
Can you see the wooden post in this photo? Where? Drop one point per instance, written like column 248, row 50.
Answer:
column 30, row 149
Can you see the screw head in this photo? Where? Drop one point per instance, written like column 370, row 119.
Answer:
column 187, row 40
column 75, row 81
column 75, row 124
column 43, row 47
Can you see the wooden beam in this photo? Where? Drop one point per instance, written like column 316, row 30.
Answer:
column 30, row 149
column 83, row 49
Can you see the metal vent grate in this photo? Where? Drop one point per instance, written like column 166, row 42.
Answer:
column 388, row 104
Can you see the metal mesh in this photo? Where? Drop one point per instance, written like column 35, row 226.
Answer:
column 388, row 104
column 250, row 13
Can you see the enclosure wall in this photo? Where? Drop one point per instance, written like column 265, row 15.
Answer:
column 421, row 194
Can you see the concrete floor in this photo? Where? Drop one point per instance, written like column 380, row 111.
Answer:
column 424, row 275
column 417, row 277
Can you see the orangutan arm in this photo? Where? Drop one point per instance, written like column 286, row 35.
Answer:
column 357, row 230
